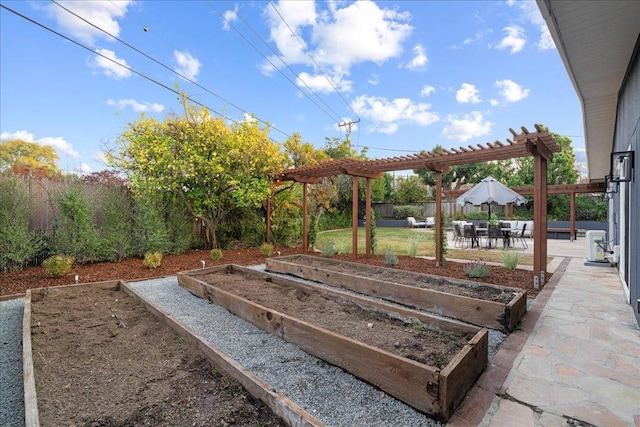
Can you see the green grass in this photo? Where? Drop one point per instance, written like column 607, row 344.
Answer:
column 398, row 241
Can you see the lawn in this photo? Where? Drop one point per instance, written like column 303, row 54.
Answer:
column 401, row 241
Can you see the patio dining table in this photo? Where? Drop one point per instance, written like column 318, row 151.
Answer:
column 506, row 236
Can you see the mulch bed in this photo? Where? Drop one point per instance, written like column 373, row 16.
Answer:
column 132, row 269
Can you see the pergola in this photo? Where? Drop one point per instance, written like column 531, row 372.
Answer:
column 539, row 144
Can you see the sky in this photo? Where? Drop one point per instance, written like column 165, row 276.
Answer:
column 402, row 76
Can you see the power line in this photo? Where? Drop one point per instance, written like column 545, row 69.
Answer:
column 286, row 65
column 144, row 76
column 314, row 61
column 168, row 68
column 270, row 62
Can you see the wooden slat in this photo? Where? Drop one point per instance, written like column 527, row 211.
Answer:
column 31, row 416
column 460, row 374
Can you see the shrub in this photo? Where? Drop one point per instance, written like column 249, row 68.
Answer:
column 150, row 232
column 75, row 229
column 476, row 269
column 266, row 249
column 152, row 259
column 414, row 242
column 216, row 254
column 58, row 265
column 480, row 215
column 510, row 259
column 401, row 212
column 18, row 245
column 116, row 231
column 390, row 259
column 329, row 251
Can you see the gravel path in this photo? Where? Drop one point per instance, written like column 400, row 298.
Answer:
column 11, row 388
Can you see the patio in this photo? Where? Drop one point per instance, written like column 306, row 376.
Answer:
column 575, row 357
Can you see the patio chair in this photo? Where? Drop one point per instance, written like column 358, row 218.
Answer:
column 494, row 232
column 457, row 235
column 470, row 236
column 521, row 236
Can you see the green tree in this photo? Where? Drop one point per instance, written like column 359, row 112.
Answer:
column 460, row 175
column 22, row 157
column 412, row 190
column 212, row 167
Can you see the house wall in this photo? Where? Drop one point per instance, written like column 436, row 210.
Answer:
column 627, row 230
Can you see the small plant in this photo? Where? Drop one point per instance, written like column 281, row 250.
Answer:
column 266, row 249
column 152, row 259
column 510, row 259
column 216, row 254
column 476, row 269
column 390, row 259
column 329, row 251
column 58, row 265
column 413, row 247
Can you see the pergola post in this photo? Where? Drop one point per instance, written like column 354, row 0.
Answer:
column 354, row 219
column 438, row 227
column 539, row 221
column 572, row 215
column 305, row 220
column 368, row 216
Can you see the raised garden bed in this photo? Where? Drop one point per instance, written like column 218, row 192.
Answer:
column 425, row 361
column 97, row 354
column 491, row 306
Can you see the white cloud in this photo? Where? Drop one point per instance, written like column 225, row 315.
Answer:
column 249, row 118
column 546, row 41
column 107, row 62
column 374, row 80
column 420, row 59
column 468, row 93
column 514, row 40
column 387, row 115
column 511, row 91
column 57, row 142
column 336, row 38
column 427, row 90
column 531, row 14
column 139, row 107
column 229, row 17
column 320, row 83
column 188, row 66
column 494, row 102
column 102, row 14
column 479, row 35
column 83, row 169
column 471, row 125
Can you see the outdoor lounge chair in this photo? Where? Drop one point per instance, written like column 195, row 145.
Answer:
column 411, row 222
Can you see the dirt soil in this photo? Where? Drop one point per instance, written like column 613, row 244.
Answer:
column 132, row 269
column 102, row 360
column 408, row 339
column 437, row 283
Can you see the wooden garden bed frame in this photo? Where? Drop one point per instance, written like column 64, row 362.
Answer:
column 476, row 311
column 426, row 388
column 290, row 412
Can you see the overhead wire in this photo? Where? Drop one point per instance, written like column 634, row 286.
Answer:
column 169, row 68
column 313, row 60
column 271, row 63
column 144, row 76
column 285, row 64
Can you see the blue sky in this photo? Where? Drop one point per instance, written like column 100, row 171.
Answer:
column 415, row 73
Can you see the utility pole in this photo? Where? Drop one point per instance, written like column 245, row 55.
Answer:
column 348, row 125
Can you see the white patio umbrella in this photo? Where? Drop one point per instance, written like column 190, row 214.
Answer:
column 490, row 191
